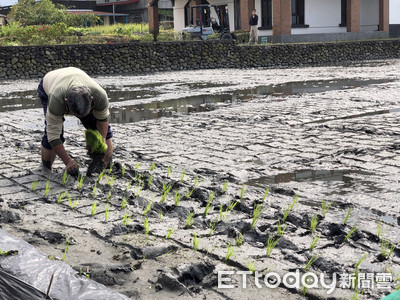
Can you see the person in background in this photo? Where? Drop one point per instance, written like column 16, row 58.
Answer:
column 253, row 27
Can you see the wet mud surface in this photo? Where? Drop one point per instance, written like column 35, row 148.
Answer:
column 328, row 135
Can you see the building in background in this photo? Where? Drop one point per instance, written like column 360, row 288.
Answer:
column 394, row 19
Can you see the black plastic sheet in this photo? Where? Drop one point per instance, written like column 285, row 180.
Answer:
column 29, row 272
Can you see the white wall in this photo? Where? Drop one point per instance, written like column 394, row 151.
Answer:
column 179, row 15
column 394, row 11
column 369, row 15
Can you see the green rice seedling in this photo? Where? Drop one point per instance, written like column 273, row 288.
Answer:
column 242, row 191
column 281, row 229
column 347, row 216
column 308, row 281
column 169, row 170
column 352, row 230
column 222, row 214
column 65, row 249
column 165, row 191
column 355, row 294
column 124, row 202
column 138, row 165
column 189, row 220
column 161, row 216
column 100, row 176
column 325, row 207
column 314, row 242
column 208, row 206
column 354, row 283
column 149, row 181
column 239, row 239
column 148, row 208
column 153, row 165
column 231, row 205
column 256, row 215
column 94, row 208
column 61, row 196
column 107, row 212
column 285, row 214
column 293, row 204
column 224, row 186
column 146, row 226
column 251, row 265
column 271, row 244
column 183, row 175
column 189, row 193
column 126, row 219
column 65, row 178
column 110, row 180
column 139, row 188
column 170, row 232
column 196, row 181
column 310, row 262
column 74, row 204
column 385, row 251
column 314, row 222
column 196, row 241
column 94, row 190
column 379, row 230
column 108, row 195
column 123, row 170
column 229, row 253
column 110, row 169
column 80, row 181
column 177, row 199
column 48, row 188
column 265, row 195
column 34, row 185
column 129, row 185
column 213, row 227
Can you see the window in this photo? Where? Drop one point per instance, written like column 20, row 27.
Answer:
column 266, row 14
column 297, row 13
column 343, row 21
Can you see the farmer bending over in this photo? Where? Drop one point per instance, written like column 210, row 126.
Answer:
column 71, row 91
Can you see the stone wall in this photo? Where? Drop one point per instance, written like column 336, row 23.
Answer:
column 134, row 58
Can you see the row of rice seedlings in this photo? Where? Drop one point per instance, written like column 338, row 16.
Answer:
column 347, row 216
column 325, row 207
column 165, row 191
column 177, row 198
column 386, row 252
column 208, row 206
column 196, row 242
column 189, row 220
column 352, row 230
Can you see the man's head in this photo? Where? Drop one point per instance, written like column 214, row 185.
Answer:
column 253, row 11
column 79, row 100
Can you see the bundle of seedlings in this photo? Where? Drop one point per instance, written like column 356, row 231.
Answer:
column 96, row 150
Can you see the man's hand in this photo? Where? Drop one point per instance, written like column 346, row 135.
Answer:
column 72, row 165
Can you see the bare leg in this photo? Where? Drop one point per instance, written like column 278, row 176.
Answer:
column 48, row 157
column 109, row 151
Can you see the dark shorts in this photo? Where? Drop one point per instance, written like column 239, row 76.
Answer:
column 89, row 122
